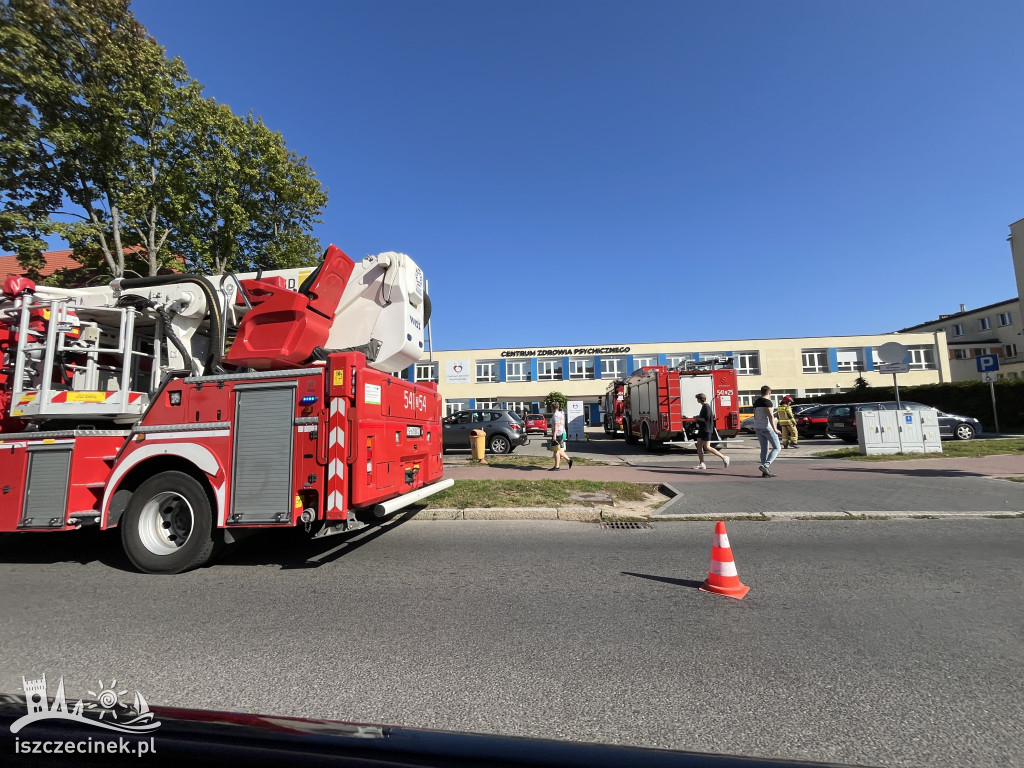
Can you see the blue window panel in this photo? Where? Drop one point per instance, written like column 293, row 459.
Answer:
column 410, row 373
column 597, row 367
column 501, row 370
column 629, row 364
column 662, row 359
column 533, row 369
column 833, row 360
column 565, row 369
column 472, row 403
column 534, row 407
column 869, row 361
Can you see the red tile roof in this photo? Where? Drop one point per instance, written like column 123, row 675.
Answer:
column 55, row 261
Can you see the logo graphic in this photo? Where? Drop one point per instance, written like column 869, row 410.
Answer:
column 457, row 368
column 110, row 712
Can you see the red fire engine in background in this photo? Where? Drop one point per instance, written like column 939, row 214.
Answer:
column 188, row 410
column 611, row 404
column 659, row 404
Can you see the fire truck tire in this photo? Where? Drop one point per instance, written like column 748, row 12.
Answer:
column 167, row 526
column 627, row 430
column 500, row 444
column 645, row 434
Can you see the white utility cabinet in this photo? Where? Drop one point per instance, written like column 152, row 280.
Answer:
column 905, row 431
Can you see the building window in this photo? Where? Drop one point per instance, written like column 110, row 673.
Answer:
column 454, row 406
column 613, row 367
column 979, row 351
column 519, row 408
column 747, row 398
column 984, row 323
column 958, row 329
column 812, row 393
column 549, row 370
column 815, row 360
column 748, row 363
column 676, row 360
column 487, row 370
column 961, row 354
column 850, row 360
column 1010, row 350
column 922, row 358
column 581, row 368
column 517, row 371
column 486, row 404
column 1005, row 318
column 426, row 372
column 642, row 362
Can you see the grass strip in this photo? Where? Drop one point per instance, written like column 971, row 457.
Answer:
column 950, row 450
column 532, row 493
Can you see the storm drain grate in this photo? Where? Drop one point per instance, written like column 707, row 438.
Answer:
column 622, row 525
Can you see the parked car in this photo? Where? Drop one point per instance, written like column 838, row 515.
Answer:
column 536, row 422
column 801, row 407
column 504, row 429
column 842, row 422
column 813, row 422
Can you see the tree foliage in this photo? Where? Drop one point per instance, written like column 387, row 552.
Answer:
column 555, row 399
column 111, row 145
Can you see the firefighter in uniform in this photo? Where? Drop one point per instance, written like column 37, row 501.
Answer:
column 787, row 423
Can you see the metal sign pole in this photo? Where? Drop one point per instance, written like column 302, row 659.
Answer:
column 992, row 389
column 897, row 388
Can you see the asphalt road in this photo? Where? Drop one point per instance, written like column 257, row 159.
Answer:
column 874, row 642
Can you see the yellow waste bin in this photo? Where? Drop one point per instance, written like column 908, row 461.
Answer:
column 478, row 443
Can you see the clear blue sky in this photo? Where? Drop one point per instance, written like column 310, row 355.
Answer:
column 597, row 172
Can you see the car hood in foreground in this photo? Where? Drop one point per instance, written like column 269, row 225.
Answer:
column 199, row 738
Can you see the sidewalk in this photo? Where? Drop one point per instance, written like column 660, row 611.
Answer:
column 806, row 486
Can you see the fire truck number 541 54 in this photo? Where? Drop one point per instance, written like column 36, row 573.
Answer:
column 415, row 402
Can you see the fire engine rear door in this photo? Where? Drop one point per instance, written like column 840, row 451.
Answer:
column 689, row 388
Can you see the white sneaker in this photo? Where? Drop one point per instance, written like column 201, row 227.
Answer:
column 701, row 466
column 725, row 462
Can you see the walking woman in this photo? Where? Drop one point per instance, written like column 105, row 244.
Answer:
column 706, row 428
column 558, row 438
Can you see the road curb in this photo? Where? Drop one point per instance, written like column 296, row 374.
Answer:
column 592, row 514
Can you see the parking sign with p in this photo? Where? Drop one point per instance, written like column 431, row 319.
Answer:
column 987, row 363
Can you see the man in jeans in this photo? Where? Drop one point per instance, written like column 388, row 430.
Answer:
column 767, row 431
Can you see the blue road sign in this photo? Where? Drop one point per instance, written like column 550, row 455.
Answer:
column 987, row 363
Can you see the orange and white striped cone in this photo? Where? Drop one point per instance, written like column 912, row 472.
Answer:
column 722, row 577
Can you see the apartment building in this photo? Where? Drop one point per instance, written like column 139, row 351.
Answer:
column 991, row 330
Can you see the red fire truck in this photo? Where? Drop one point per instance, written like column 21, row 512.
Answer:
column 188, row 410
column 660, row 403
column 611, row 404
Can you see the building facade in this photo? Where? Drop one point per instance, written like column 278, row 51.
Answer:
column 521, row 378
column 992, row 330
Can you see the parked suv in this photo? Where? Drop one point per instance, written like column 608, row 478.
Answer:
column 505, row 430
column 842, row 422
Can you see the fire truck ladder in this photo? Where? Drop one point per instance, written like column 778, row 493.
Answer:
column 87, row 361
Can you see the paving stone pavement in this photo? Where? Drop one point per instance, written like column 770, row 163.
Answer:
column 806, row 485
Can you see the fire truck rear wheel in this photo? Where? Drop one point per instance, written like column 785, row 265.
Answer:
column 645, row 433
column 627, row 430
column 168, row 524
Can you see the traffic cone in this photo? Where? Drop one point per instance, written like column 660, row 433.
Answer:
column 722, row 577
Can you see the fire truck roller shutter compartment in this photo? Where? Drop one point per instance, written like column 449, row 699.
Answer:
column 261, row 488
column 47, row 486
